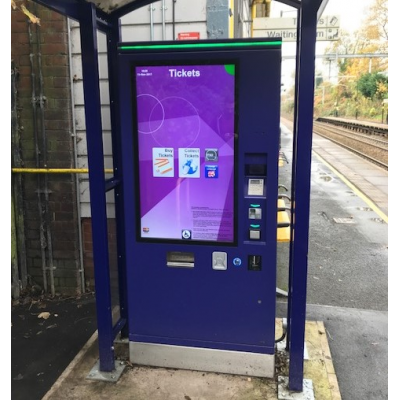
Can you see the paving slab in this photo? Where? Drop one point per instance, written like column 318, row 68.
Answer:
column 145, row 383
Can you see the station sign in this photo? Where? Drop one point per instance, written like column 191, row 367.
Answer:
column 286, row 28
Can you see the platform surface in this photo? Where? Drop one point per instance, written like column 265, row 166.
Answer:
column 144, row 383
column 348, row 267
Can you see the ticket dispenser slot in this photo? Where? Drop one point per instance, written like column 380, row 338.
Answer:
column 256, row 164
column 180, row 259
column 256, row 169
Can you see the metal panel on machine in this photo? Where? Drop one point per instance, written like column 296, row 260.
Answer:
column 200, row 133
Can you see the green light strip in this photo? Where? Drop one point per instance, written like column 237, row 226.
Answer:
column 198, row 45
column 255, row 226
column 254, row 205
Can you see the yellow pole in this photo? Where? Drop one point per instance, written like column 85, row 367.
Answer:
column 253, row 16
column 55, row 170
column 231, row 19
column 265, row 12
column 267, row 8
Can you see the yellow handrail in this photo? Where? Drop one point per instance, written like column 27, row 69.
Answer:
column 56, row 170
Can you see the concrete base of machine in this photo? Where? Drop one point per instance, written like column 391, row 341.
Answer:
column 200, row 359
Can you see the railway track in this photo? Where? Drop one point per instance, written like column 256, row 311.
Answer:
column 370, row 147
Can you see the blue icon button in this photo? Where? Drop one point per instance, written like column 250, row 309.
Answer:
column 211, row 171
column 237, row 262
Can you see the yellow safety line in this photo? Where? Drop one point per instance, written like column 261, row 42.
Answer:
column 55, row 170
column 360, row 194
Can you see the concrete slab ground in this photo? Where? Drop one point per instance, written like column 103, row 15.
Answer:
column 145, row 383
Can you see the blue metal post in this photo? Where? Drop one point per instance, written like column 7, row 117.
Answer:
column 90, row 70
column 302, row 150
column 113, row 37
column 294, row 159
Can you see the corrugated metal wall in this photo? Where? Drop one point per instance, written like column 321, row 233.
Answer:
column 135, row 26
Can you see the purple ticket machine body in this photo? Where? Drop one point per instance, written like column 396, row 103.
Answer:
column 200, row 137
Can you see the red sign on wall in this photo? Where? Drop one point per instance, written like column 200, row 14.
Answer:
column 189, row 36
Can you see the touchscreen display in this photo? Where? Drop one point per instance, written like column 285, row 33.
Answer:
column 185, row 117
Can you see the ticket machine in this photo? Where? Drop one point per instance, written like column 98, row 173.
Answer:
column 200, row 137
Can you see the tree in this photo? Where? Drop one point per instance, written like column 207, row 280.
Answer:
column 373, row 86
column 19, row 5
column 378, row 25
column 371, row 38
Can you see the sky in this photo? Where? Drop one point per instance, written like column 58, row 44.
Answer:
column 351, row 14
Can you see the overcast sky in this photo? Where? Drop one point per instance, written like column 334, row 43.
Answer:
column 351, row 14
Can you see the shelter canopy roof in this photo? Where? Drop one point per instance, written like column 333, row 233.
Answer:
column 109, row 6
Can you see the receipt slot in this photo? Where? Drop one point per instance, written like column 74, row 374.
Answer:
column 200, row 137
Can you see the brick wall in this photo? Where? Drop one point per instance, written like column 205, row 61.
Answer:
column 113, row 256
column 57, row 216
